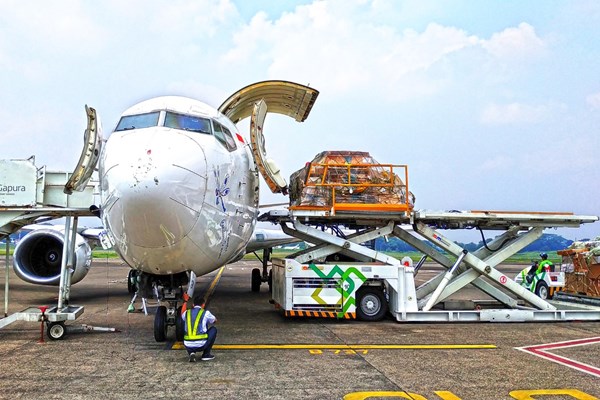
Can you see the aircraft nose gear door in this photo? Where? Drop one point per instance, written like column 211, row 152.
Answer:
column 89, row 155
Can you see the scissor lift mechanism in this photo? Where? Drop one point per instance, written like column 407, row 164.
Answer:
column 410, row 303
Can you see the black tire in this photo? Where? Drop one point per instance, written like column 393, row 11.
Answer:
column 270, row 281
column 131, row 277
column 256, row 280
column 371, row 304
column 56, row 330
column 541, row 290
column 160, row 324
column 179, row 326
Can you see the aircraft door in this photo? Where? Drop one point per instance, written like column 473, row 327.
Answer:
column 266, row 166
column 89, row 155
column 286, row 98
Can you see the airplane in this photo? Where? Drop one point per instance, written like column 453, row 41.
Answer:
column 179, row 191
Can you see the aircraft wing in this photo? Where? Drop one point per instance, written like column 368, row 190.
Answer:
column 266, row 238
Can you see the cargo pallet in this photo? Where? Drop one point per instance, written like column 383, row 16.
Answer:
column 303, row 284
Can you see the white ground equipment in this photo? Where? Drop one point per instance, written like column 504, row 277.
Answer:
column 29, row 193
column 349, row 191
column 303, row 284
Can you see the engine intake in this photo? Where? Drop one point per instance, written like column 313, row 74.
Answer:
column 38, row 257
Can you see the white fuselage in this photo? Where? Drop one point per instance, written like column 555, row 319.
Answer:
column 176, row 199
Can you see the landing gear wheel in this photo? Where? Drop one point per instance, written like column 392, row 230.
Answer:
column 256, row 280
column 370, row 304
column 160, row 324
column 131, row 278
column 56, row 330
column 542, row 290
column 179, row 328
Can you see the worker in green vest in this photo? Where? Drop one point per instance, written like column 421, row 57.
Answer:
column 198, row 336
column 545, row 264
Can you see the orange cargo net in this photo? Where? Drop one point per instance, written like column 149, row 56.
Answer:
column 351, row 181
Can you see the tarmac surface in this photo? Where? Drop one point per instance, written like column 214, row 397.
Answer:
column 431, row 361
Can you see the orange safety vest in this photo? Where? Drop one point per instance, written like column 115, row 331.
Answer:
column 191, row 332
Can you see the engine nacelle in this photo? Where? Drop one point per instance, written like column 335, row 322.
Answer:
column 38, row 256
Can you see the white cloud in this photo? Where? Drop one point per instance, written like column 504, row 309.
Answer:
column 515, row 43
column 315, row 43
column 514, row 113
column 593, row 100
column 330, row 45
column 52, row 28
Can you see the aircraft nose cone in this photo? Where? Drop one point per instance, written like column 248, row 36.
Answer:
column 159, row 184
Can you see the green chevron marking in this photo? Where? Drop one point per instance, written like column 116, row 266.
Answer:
column 345, row 275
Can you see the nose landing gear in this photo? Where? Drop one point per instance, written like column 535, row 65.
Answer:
column 266, row 276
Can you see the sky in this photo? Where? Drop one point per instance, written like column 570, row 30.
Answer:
column 493, row 105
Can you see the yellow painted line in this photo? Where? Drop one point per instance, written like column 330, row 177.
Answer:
column 213, row 285
column 179, row 345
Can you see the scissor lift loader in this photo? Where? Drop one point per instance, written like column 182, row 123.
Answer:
column 312, row 283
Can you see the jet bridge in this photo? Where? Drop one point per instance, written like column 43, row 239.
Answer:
column 311, row 283
column 28, row 194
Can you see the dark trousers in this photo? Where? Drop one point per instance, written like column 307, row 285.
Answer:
column 212, row 335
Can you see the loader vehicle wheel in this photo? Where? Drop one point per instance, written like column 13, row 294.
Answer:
column 256, row 280
column 370, row 304
column 542, row 290
column 56, row 330
column 160, row 324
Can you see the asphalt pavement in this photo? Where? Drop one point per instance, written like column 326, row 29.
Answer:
column 260, row 354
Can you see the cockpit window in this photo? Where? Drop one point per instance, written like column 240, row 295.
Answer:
column 187, row 123
column 139, row 121
column 224, row 136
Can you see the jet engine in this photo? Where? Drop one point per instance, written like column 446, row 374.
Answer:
column 38, row 256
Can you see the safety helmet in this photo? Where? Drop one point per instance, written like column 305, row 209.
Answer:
column 543, row 255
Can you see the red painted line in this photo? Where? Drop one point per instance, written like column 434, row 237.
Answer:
column 560, row 345
column 542, row 351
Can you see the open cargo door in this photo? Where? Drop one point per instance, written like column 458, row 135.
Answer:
column 89, row 155
column 281, row 97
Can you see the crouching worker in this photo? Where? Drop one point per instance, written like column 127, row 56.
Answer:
column 198, row 337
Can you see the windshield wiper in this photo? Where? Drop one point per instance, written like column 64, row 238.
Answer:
column 196, row 130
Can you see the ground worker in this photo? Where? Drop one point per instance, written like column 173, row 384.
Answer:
column 198, row 337
column 545, row 264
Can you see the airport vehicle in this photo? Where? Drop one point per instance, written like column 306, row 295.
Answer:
column 342, row 277
column 306, row 284
column 544, row 284
column 179, row 189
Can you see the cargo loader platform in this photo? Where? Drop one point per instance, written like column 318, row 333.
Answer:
column 309, row 283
